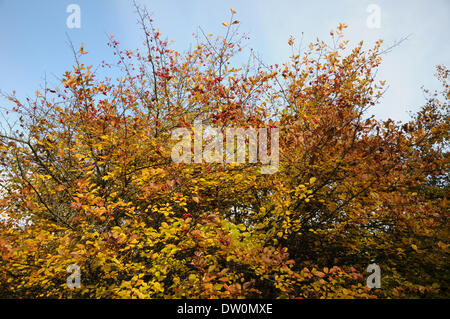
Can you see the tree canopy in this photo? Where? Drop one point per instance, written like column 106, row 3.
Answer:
column 88, row 178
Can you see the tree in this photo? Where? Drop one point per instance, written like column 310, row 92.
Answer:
column 88, row 179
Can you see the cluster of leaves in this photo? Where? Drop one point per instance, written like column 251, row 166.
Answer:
column 88, row 179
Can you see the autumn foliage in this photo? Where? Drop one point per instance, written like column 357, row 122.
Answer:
column 88, row 179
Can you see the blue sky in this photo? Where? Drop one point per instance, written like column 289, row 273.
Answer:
column 33, row 38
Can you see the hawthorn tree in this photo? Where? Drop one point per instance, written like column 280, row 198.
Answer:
column 88, row 179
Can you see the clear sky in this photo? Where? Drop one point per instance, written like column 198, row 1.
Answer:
column 34, row 44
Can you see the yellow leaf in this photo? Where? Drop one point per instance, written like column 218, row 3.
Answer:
column 82, row 49
column 226, row 24
column 342, row 26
